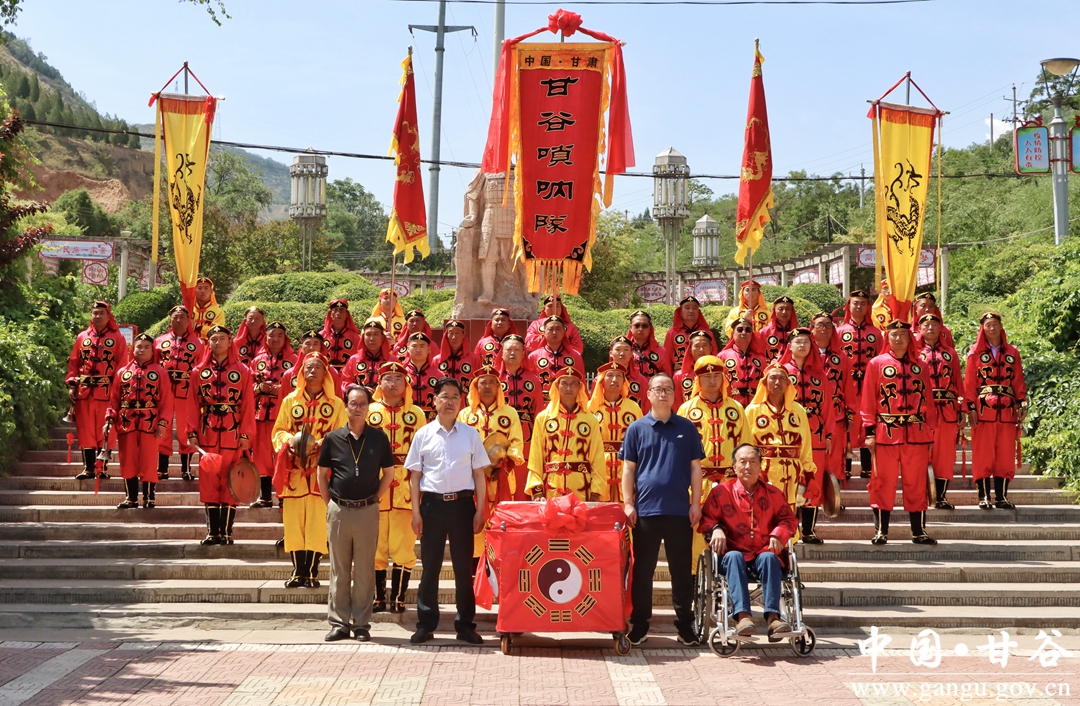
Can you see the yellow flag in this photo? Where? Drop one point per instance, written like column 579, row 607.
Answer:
column 903, row 144
column 186, row 123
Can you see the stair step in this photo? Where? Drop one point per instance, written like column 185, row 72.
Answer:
column 946, row 550
column 987, row 595
column 970, row 498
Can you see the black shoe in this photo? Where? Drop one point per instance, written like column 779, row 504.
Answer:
column 847, row 474
column 637, row 637
column 210, row 539
column 337, row 634
column 470, row 636
column 864, row 474
column 312, row 583
column 378, row 606
column 162, row 476
column 85, row 475
column 103, row 475
column 879, row 539
column 943, row 505
column 985, row 504
column 397, row 607
column 186, row 475
column 1004, row 504
column 261, row 503
column 923, row 539
column 127, row 503
column 295, row 582
column 362, row 634
column 812, row 539
column 280, row 544
column 687, row 637
column 421, row 635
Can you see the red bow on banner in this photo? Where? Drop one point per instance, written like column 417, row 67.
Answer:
column 565, row 514
column 564, row 21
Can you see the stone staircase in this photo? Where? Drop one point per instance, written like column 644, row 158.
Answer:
column 71, row 560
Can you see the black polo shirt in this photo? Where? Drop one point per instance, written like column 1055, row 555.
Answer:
column 355, row 481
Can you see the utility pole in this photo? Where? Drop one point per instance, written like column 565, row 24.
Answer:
column 991, row 131
column 500, row 34
column 440, row 31
column 1014, row 104
column 862, row 185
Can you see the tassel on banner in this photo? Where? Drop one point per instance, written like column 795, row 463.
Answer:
column 70, row 443
column 1019, row 453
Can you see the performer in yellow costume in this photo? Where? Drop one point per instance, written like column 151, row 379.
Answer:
column 393, row 411
column 752, row 307
column 313, row 407
column 880, row 313
column 779, row 428
column 615, row 411
column 567, row 453
column 208, row 313
column 720, row 421
column 489, row 414
column 388, row 308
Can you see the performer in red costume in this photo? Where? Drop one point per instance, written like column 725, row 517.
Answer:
column 415, row 322
column 456, row 358
column 926, row 303
column 782, row 322
column 686, row 321
column 267, row 370
column 489, row 347
column 899, row 417
column 251, row 335
column 700, row 344
column 554, row 355
column 814, row 391
column 552, row 306
column 422, row 373
column 744, row 360
column 649, row 357
column 944, row 366
column 860, row 340
column 178, row 351
column 523, row 391
column 141, row 409
column 224, row 426
column 340, row 336
column 844, row 394
column 363, row 367
column 996, row 397
column 99, row 351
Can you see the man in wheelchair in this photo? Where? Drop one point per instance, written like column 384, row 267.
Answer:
column 747, row 524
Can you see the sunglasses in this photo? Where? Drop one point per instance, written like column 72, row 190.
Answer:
column 640, row 326
column 743, row 329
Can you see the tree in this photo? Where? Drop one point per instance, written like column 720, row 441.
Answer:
column 79, row 209
column 619, row 252
column 22, row 87
column 235, row 187
column 357, row 218
column 14, row 240
column 1039, row 100
column 35, row 88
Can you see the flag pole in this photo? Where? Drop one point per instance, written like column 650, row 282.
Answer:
column 393, row 288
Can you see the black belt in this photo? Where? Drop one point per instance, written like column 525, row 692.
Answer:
column 356, row 503
column 449, row 497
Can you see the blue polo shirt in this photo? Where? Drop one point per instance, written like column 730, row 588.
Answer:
column 663, row 452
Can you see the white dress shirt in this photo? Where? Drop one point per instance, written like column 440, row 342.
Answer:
column 446, row 459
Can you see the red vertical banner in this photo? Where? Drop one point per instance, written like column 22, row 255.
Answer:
column 561, row 89
column 407, row 228
column 755, row 177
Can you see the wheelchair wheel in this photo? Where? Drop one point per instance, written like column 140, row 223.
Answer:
column 622, row 645
column 704, row 598
column 506, row 642
column 716, row 644
column 804, row 646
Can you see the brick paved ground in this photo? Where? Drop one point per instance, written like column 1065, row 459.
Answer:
column 577, row 672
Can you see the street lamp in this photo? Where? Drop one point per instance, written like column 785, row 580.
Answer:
column 706, row 242
column 307, row 205
column 1059, row 153
column 671, row 181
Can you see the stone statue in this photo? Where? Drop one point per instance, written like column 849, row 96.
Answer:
column 486, row 276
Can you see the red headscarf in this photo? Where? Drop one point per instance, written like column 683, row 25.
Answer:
column 814, row 364
column 233, row 355
column 794, row 323
column 756, row 344
column 497, row 310
column 651, row 343
column 376, row 322
column 111, row 325
column 242, row 330
column 526, row 362
column 328, row 323
column 403, row 339
column 834, row 340
column 154, row 357
column 444, row 344
column 286, row 350
column 687, row 363
column 981, row 343
column 860, row 294
column 564, row 314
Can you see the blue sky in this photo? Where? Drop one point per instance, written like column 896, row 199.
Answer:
column 324, row 73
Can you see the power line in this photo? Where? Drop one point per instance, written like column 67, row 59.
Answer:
column 475, row 165
column 682, row 2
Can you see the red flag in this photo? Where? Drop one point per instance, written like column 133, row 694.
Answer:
column 755, row 178
column 408, row 218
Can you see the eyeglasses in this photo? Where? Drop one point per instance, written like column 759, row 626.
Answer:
column 662, row 390
column 639, row 326
column 743, row 329
column 356, row 405
column 444, row 398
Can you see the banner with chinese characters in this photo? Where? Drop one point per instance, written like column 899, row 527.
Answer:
column 1074, row 147
column 903, row 138
column 755, row 177
column 407, row 229
column 1031, row 144
column 183, row 124
column 547, row 121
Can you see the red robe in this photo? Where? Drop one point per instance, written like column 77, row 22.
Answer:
column 650, row 358
column 749, row 521
column 534, row 339
column 744, row 369
column 898, row 403
column 944, row 366
column 363, row 369
column 814, row 392
column 860, row 343
column 844, row 401
column 524, row 392
column 226, row 415
column 140, row 402
column 423, row 381
column 461, row 365
column 677, row 342
column 268, row 368
column 94, row 360
column 994, row 388
column 548, row 363
column 178, row 355
column 339, row 346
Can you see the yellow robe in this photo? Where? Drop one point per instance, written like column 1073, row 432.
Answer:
column 784, row 439
column 759, row 315
column 504, row 418
column 397, row 542
column 613, row 419
column 566, row 454
column 204, row 319
column 303, row 511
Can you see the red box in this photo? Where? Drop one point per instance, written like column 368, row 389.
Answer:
column 562, row 565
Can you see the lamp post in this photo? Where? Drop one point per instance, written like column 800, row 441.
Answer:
column 307, row 205
column 671, row 181
column 706, row 242
column 1059, row 152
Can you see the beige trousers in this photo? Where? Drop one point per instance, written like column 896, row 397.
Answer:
column 353, row 534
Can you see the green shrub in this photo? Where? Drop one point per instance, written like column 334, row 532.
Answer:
column 424, row 302
column 297, row 317
column 439, row 312
column 304, row 287
column 825, row 297
column 144, row 309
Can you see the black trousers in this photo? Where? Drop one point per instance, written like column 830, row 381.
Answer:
column 446, row 520
column 678, row 536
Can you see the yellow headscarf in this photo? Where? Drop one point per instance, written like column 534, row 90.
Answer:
column 377, row 312
column 762, row 394
column 474, row 391
column 597, row 401
column 553, row 393
column 710, row 364
column 394, row 367
column 329, row 389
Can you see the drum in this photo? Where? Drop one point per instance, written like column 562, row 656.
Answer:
column 830, row 500
column 244, row 481
column 931, row 487
column 496, row 446
column 303, row 445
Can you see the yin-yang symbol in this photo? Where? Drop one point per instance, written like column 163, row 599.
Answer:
column 493, row 580
column 559, row 581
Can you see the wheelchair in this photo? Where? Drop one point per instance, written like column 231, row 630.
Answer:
column 713, row 619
